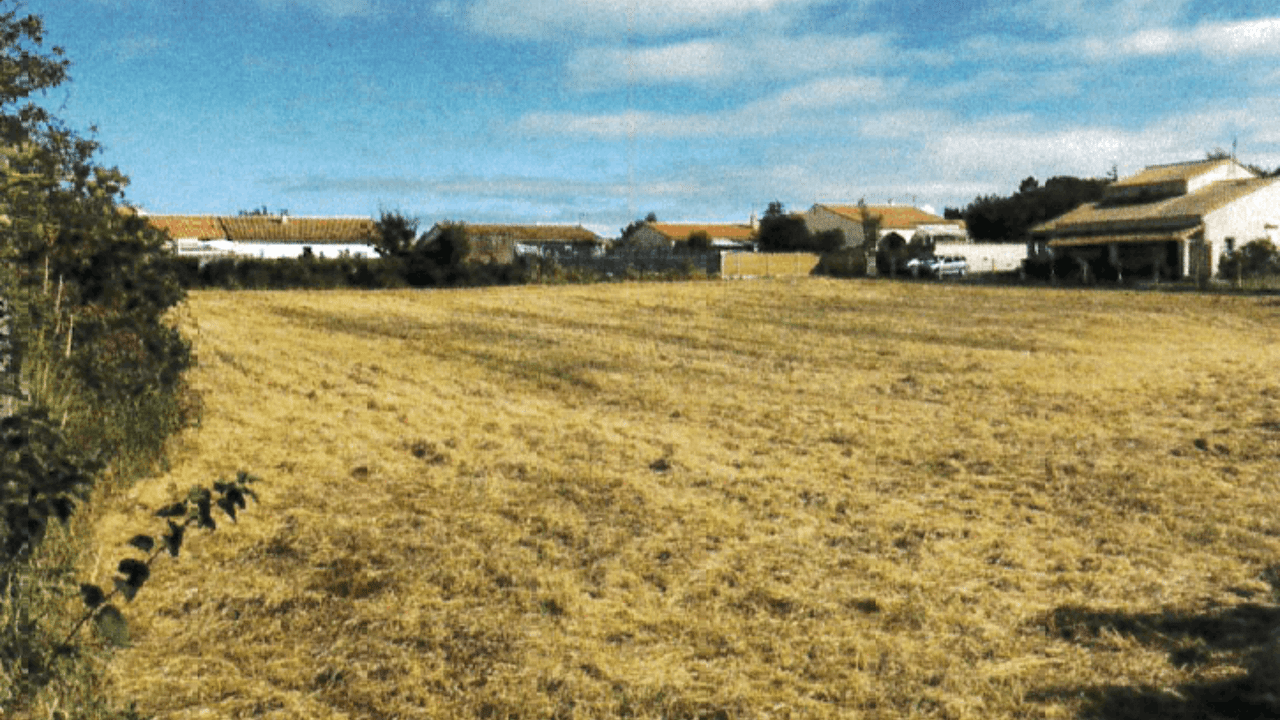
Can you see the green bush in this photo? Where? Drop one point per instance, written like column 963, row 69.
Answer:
column 1257, row 258
column 843, row 263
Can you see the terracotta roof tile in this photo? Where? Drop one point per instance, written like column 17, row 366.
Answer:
column 300, row 229
column 892, row 217
column 681, row 231
column 200, row 227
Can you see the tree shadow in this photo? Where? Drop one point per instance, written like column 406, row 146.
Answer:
column 1246, row 635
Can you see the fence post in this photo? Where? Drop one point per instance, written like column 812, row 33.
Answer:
column 10, row 366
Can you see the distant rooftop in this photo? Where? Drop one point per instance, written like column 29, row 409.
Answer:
column 1159, row 174
column 267, row 228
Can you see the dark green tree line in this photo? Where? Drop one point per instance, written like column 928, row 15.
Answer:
column 993, row 218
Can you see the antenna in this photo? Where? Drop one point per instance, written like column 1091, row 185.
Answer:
column 1233, row 146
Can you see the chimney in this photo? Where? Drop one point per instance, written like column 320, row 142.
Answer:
column 755, row 223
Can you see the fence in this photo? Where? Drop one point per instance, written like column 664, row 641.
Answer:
column 749, row 264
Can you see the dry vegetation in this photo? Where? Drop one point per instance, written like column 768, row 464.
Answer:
column 754, row 499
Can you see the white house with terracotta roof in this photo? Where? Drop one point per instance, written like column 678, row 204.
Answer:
column 899, row 223
column 1167, row 221
column 262, row 236
column 723, row 236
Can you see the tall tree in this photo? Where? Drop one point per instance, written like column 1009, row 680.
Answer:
column 397, row 234
column 1010, row 219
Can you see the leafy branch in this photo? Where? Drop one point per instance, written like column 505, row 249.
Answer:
column 196, row 509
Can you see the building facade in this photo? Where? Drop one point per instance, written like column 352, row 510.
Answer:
column 1166, row 221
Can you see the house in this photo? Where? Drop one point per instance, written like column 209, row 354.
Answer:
column 504, row 243
column 195, row 235
column 287, row 236
column 898, row 224
column 265, row 236
column 1168, row 221
column 723, row 236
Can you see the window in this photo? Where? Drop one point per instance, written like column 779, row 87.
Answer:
column 1230, row 245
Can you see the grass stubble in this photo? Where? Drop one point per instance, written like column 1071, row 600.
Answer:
column 802, row 499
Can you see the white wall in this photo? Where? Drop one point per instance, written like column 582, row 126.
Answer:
column 986, row 257
column 1244, row 220
column 293, row 250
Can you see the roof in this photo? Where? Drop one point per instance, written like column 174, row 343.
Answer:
column 1179, row 210
column 892, row 217
column 1079, row 240
column 682, row 231
column 264, row 228
column 536, row 233
column 1160, row 174
column 201, row 227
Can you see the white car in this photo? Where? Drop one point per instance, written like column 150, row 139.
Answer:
column 938, row 267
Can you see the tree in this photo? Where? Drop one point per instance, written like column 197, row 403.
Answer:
column 1254, row 258
column 89, row 272
column 635, row 225
column 397, row 234
column 781, row 232
column 870, row 224
column 451, row 247
column 1010, row 219
column 698, row 240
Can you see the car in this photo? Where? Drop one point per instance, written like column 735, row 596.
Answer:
column 938, row 267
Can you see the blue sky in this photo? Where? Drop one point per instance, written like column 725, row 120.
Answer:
column 600, row 111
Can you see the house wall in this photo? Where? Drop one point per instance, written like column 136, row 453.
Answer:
column 818, row 219
column 985, row 257
column 1227, row 171
column 648, row 237
column 294, row 250
column 1244, row 220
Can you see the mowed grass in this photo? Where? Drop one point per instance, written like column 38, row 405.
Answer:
column 763, row 499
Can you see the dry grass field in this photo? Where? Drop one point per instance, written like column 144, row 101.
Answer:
column 764, row 499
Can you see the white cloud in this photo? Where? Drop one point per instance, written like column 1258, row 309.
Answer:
column 1003, row 150
column 906, row 124
column 1215, row 41
column 563, row 19
column 724, row 61
column 1013, row 147
column 1236, row 39
column 697, row 62
column 819, row 105
column 331, row 8
column 1091, row 17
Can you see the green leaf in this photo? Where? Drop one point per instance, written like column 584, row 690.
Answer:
column 173, row 541
column 228, row 506
column 111, row 623
column 126, row 589
column 63, row 507
column 177, row 509
column 145, row 543
column 136, row 571
column 92, row 594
